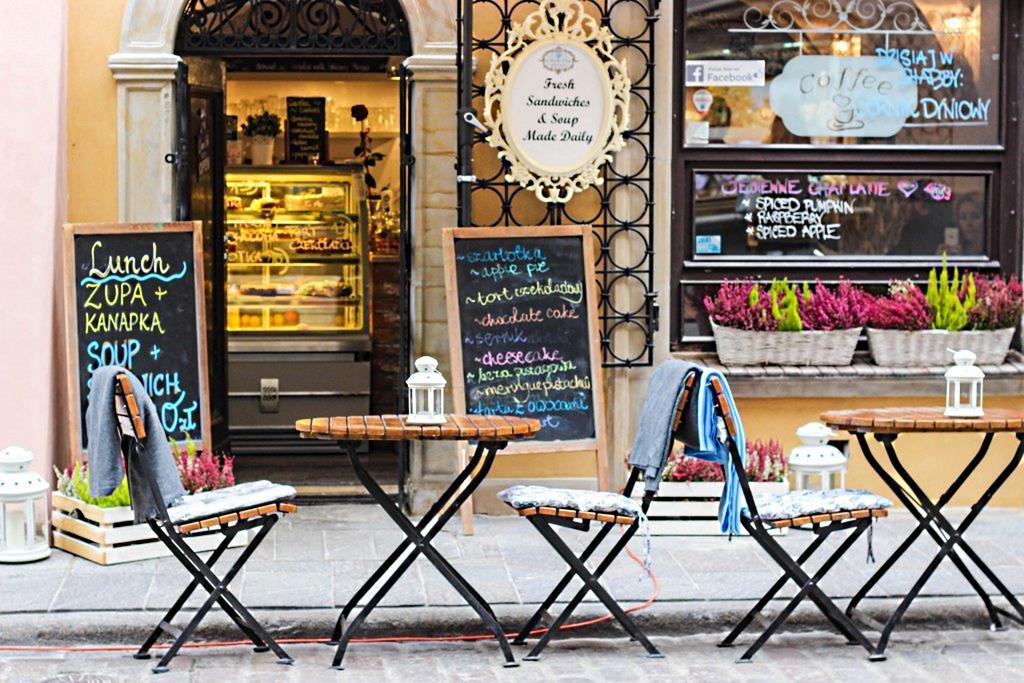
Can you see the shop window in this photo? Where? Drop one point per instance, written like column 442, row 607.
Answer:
column 898, row 72
column 842, row 139
column 838, row 215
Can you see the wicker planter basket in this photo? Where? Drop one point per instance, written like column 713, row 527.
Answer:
column 747, row 347
column 926, row 348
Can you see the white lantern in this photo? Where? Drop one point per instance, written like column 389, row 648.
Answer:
column 24, row 529
column 964, row 390
column 426, row 394
column 815, row 455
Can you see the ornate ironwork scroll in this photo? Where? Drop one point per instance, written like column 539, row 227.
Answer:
column 299, row 27
column 621, row 209
column 851, row 16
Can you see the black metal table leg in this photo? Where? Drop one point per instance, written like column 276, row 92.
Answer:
column 931, row 513
column 439, row 505
column 925, row 520
column 420, row 537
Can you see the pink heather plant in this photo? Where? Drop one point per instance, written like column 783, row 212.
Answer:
column 765, row 462
column 841, row 309
column 202, row 470
column 999, row 303
column 742, row 305
column 745, row 305
column 904, row 308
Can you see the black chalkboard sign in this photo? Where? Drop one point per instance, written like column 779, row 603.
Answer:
column 523, row 332
column 134, row 298
column 307, row 129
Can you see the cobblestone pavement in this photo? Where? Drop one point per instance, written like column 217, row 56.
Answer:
column 959, row 656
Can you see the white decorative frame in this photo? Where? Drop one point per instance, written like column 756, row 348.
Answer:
column 558, row 22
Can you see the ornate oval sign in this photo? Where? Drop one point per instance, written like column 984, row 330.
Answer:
column 556, row 101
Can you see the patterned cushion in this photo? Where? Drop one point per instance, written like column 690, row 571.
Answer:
column 808, row 502
column 239, row 497
column 520, row 497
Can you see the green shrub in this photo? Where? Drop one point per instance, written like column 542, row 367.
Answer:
column 786, row 306
column 944, row 296
column 74, row 483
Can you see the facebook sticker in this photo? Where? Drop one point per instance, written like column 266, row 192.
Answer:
column 708, row 244
column 694, row 73
column 725, row 72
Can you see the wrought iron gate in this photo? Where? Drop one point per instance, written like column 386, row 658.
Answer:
column 621, row 209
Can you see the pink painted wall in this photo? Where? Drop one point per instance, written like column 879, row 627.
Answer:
column 32, row 180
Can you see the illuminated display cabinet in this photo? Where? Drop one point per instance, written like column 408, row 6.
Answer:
column 295, row 242
column 296, row 248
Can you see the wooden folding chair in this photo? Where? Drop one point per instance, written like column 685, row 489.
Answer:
column 545, row 518
column 822, row 522
column 226, row 511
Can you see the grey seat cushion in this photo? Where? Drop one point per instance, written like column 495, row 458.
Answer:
column 522, row 496
column 808, row 502
column 220, row 501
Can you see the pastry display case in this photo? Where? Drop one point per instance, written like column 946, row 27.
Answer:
column 296, row 249
column 295, row 242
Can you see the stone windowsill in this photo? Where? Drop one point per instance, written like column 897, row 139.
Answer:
column 861, row 378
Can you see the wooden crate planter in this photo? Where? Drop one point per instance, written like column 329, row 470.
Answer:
column 690, row 508
column 111, row 536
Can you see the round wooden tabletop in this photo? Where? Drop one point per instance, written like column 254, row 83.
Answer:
column 896, row 420
column 395, row 428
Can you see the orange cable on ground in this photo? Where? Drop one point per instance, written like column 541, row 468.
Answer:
column 382, row 639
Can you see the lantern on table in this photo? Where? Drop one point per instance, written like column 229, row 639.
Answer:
column 964, row 390
column 426, row 394
column 24, row 530
column 815, row 455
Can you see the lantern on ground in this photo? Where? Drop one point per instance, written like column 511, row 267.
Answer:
column 426, row 393
column 964, row 390
column 24, row 529
column 815, row 455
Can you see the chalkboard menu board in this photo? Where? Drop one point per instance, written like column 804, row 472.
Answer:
column 307, row 129
column 134, row 298
column 523, row 333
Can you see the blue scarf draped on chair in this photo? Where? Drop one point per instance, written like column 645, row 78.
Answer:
column 705, row 437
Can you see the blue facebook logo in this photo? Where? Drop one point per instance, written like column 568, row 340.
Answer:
column 694, row 73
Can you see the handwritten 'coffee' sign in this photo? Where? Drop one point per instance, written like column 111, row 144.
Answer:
column 523, row 330
column 556, row 101
column 134, row 298
column 307, row 129
column 829, row 96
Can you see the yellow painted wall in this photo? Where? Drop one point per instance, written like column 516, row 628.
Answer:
column 934, row 459
column 94, row 31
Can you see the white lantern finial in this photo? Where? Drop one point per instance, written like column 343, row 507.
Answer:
column 816, row 455
column 964, row 386
column 24, row 530
column 426, row 393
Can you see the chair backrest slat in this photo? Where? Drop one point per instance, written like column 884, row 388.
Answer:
column 684, row 398
column 126, row 407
